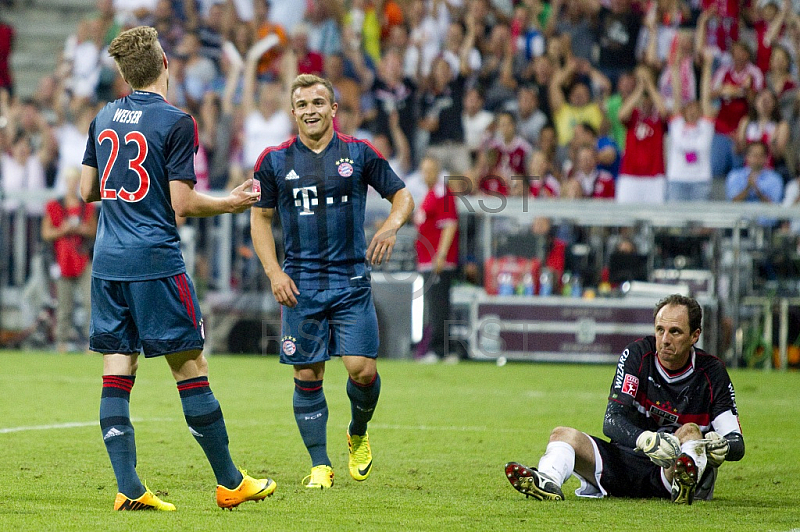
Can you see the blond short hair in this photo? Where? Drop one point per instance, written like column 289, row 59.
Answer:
column 138, row 55
column 309, row 80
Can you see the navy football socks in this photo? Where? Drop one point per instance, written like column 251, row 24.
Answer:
column 363, row 399
column 117, row 430
column 206, row 423
column 311, row 414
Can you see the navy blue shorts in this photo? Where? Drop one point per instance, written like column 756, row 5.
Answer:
column 160, row 316
column 331, row 322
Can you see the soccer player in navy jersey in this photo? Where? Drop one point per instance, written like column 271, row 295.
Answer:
column 671, row 418
column 318, row 183
column 139, row 162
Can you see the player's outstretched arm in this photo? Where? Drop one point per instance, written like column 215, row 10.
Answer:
column 380, row 249
column 90, row 185
column 283, row 287
column 186, row 201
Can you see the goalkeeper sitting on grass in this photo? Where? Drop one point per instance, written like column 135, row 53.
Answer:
column 671, row 419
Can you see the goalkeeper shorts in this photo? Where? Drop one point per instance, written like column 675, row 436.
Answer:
column 623, row 472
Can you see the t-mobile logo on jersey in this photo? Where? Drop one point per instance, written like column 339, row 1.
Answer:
column 307, row 197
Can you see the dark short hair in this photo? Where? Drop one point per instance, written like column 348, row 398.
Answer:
column 693, row 308
column 588, row 127
column 577, row 83
column 31, row 102
column 20, row 136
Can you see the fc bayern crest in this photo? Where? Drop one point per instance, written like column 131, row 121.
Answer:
column 289, row 347
column 345, row 169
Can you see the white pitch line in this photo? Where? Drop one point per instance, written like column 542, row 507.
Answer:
column 69, row 425
column 72, row 425
column 82, row 424
column 447, row 428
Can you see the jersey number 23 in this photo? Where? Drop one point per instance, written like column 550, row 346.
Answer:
column 107, row 192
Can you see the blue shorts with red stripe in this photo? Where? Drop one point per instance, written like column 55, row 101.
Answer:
column 159, row 316
column 329, row 322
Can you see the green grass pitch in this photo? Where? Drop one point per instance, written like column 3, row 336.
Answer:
column 440, row 436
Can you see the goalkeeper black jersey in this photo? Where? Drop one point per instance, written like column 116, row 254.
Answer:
column 654, row 398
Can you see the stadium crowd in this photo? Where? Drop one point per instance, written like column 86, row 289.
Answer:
column 492, row 88
column 627, row 100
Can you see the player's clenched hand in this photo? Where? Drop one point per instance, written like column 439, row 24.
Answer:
column 380, row 249
column 242, row 198
column 716, row 449
column 662, row 448
column 284, row 289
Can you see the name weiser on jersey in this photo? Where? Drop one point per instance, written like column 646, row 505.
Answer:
column 126, row 116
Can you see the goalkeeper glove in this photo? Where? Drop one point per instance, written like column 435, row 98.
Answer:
column 716, row 449
column 662, row 448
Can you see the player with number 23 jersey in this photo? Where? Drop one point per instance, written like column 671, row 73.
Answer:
column 139, row 161
column 137, row 238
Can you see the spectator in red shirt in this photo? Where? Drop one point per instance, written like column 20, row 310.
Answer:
column 763, row 123
column 437, row 258
column 724, row 8
column 586, row 180
column 780, row 79
column 503, row 158
column 769, row 28
column 541, row 181
column 718, row 25
column 308, row 61
column 641, row 175
column 70, row 224
column 735, row 85
column 6, row 46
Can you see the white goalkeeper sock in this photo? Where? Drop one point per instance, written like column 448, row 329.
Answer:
column 697, row 450
column 557, row 462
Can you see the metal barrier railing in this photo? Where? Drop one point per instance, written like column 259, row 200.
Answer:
column 223, row 234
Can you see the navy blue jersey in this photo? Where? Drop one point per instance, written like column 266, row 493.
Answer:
column 138, row 144
column 655, row 399
column 321, row 200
